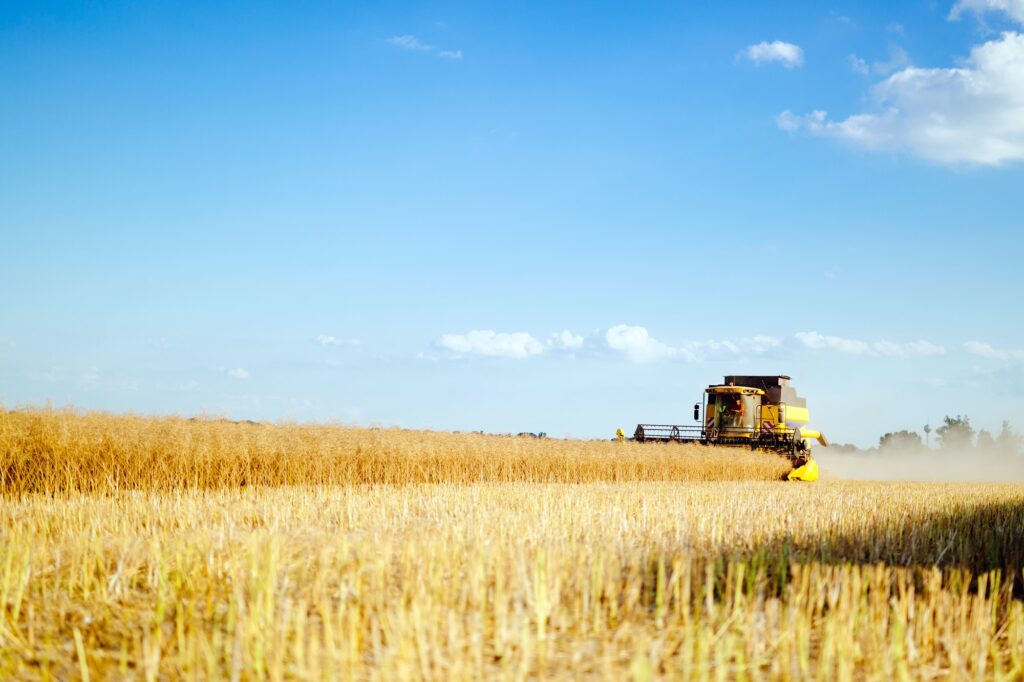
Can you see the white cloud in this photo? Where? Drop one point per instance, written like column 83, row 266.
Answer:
column 492, row 344
column 238, row 373
column 858, row 65
column 1012, row 8
column 920, row 348
column 906, row 350
column 408, row 42
column 898, row 59
column 788, row 54
column 821, row 342
column 566, row 340
column 986, row 350
column 713, row 348
column 973, row 114
column 639, row 346
column 762, row 344
column 509, row 345
column 326, row 340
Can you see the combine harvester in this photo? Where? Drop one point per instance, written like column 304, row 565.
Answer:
column 758, row 412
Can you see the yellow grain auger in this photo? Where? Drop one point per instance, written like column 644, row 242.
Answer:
column 759, row 412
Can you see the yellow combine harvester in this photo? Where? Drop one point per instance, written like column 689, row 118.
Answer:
column 759, row 412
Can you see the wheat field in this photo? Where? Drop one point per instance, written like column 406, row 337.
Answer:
column 429, row 559
column 52, row 452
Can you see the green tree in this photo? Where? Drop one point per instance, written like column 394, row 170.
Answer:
column 901, row 440
column 986, row 443
column 1008, row 442
column 956, row 433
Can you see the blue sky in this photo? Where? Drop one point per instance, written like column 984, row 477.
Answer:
column 481, row 216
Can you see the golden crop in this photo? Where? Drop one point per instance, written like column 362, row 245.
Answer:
column 63, row 451
column 620, row 578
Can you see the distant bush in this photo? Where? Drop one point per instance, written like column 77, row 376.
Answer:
column 902, row 440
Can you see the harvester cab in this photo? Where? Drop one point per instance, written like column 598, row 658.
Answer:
column 732, row 410
column 759, row 412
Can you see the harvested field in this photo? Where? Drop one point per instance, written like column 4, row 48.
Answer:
column 614, row 579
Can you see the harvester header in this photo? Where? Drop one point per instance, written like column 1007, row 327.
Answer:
column 760, row 412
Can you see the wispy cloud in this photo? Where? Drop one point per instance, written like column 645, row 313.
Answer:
column 919, row 348
column 841, row 18
column 898, row 59
column 858, row 65
column 414, row 44
column 787, row 54
column 326, row 340
column 986, row 350
column 492, row 344
column 968, row 115
column 408, row 42
column 816, row 341
column 238, row 373
column 1012, row 8
column 636, row 343
column 89, row 379
column 566, row 340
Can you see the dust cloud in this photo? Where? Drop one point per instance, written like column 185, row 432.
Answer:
column 895, row 464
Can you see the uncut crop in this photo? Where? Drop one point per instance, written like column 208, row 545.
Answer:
column 63, row 451
column 221, row 578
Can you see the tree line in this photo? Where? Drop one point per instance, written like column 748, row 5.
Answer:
column 955, row 434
